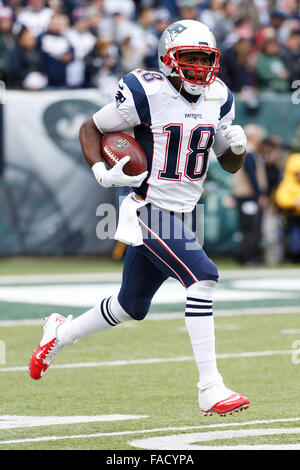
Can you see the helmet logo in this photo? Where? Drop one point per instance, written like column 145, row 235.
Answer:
column 119, row 97
column 175, row 29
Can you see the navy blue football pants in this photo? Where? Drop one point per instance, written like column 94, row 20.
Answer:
column 170, row 249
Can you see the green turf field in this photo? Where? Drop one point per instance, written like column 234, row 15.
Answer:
column 134, row 386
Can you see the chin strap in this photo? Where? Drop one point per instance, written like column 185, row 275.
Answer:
column 189, row 88
column 185, row 85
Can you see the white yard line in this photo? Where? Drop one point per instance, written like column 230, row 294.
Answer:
column 147, row 431
column 59, row 278
column 77, row 365
column 117, row 276
column 17, row 421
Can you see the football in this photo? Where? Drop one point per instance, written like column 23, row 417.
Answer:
column 116, row 145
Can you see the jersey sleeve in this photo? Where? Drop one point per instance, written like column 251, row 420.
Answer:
column 107, row 119
column 132, row 101
column 227, row 115
column 227, row 110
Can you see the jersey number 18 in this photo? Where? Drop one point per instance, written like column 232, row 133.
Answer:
column 196, row 159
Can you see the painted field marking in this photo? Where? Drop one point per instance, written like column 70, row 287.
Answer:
column 230, row 274
column 185, row 441
column 280, row 284
column 291, row 331
column 149, row 431
column 16, row 421
column 84, row 295
column 77, row 365
column 179, row 315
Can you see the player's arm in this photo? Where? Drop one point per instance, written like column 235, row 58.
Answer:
column 105, row 120
column 230, row 140
column 90, row 140
column 230, row 147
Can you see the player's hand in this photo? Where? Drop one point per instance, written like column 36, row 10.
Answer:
column 115, row 176
column 236, row 138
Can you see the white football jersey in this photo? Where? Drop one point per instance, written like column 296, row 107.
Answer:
column 176, row 134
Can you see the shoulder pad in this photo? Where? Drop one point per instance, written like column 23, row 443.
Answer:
column 218, row 90
column 150, row 80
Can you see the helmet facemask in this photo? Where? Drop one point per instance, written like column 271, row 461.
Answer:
column 201, row 75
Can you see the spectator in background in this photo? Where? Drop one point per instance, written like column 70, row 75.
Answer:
column 162, row 20
column 101, row 67
column 71, row 5
column 134, row 40
column 226, row 24
column 212, row 14
column 278, row 19
column 15, row 5
column 7, row 42
column 25, row 63
column 55, row 51
column 263, row 33
column 82, row 42
column 35, row 16
column 249, row 191
column 271, row 150
column 188, row 9
column 287, row 198
column 235, row 69
column 123, row 7
column 171, row 6
column 132, row 48
column 109, row 26
column 270, row 71
column 95, row 15
column 290, row 55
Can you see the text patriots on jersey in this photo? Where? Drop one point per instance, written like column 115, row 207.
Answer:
column 193, row 115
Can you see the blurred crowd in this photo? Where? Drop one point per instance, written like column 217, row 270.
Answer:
column 266, row 193
column 91, row 43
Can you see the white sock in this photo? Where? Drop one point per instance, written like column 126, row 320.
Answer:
column 199, row 322
column 103, row 315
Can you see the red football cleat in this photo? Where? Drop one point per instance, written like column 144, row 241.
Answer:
column 214, row 398
column 48, row 347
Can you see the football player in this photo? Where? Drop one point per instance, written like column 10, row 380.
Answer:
column 178, row 115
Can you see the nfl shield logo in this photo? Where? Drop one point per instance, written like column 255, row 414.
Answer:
column 122, row 144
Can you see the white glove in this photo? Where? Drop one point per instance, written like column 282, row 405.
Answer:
column 236, row 137
column 115, row 176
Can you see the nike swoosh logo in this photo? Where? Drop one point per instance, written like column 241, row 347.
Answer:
column 38, row 356
column 231, row 400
